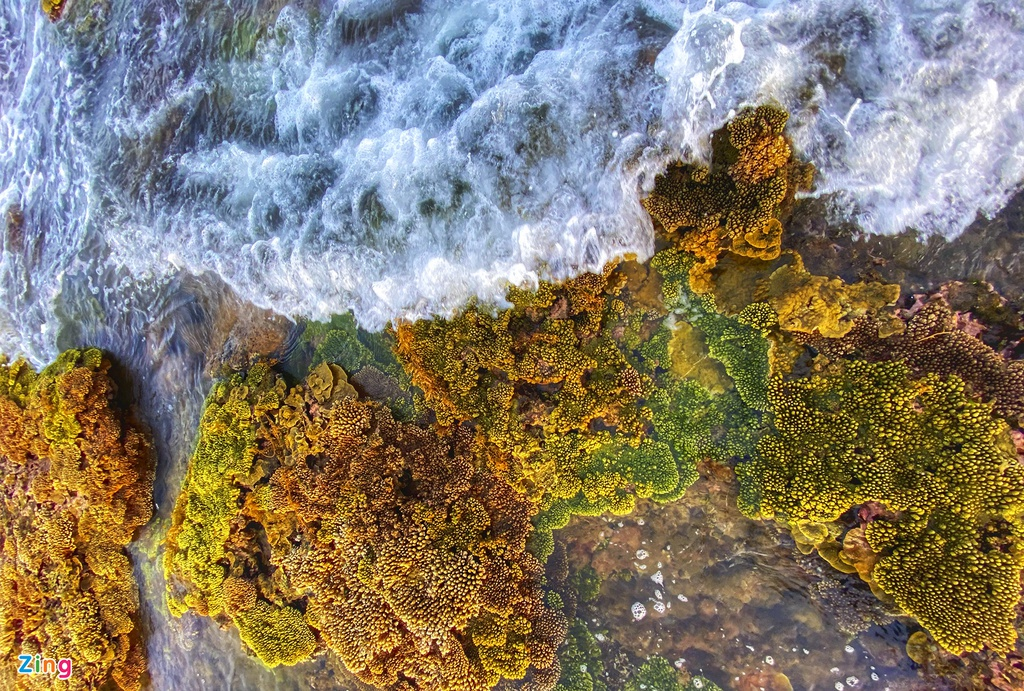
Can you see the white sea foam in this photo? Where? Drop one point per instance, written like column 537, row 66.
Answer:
column 398, row 158
column 912, row 110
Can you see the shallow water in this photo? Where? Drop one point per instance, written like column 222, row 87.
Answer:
column 732, row 599
column 187, row 172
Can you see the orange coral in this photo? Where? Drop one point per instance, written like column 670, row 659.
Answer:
column 78, row 483
column 734, row 204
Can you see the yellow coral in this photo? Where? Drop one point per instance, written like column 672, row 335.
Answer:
column 808, row 304
column 949, row 550
column 53, row 8
column 278, row 635
column 553, row 364
column 78, row 475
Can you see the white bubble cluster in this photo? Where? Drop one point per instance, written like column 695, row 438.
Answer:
column 638, row 611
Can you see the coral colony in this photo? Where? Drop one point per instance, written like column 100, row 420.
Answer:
column 412, row 533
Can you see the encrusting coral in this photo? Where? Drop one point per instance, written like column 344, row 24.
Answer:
column 809, row 304
column 945, row 538
column 311, row 520
column 78, row 483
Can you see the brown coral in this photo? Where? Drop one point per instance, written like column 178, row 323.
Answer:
column 78, row 483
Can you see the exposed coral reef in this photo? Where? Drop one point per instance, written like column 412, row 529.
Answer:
column 942, row 470
column 406, row 534
column 735, row 204
column 313, row 520
column 77, row 476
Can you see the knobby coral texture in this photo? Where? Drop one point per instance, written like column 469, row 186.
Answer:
column 311, row 520
column 942, row 340
column 78, row 482
column 944, row 534
column 732, row 205
column 397, row 505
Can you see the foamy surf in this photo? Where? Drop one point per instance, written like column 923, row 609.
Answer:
column 400, row 158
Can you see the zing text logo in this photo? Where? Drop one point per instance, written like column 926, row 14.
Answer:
column 36, row 664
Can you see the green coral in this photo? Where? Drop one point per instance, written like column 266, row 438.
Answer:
column 698, row 424
column 739, row 343
column 656, row 674
column 605, row 474
column 278, row 635
column 743, row 350
column 952, row 551
column 581, row 661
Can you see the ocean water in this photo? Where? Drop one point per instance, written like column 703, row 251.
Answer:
column 396, row 158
